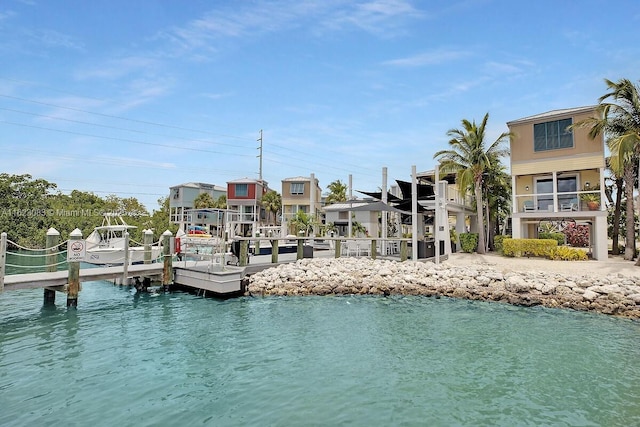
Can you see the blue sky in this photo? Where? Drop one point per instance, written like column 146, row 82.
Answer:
column 133, row 97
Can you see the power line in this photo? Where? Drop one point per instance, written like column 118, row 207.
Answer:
column 115, row 127
column 119, row 117
column 133, row 141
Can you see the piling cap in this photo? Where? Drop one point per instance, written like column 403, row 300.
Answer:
column 167, row 233
column 76, row 233
column 148, row 232
column 53, row 232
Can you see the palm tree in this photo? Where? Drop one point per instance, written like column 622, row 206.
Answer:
column 337, row 192
column 203, row 201
column 618, row 187
column 221, row 202
column 303, row 222
column 469, row 158
column 497, row 190
column 272, row 203
column 621, row 120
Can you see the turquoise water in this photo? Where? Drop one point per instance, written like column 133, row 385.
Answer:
column 124, row 359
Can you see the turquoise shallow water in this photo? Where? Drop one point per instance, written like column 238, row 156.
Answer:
column 124, row 359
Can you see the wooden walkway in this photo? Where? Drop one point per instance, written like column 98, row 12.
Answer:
column 60, row 278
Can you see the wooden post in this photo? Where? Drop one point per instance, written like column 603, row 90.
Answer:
column 148, row 241
column 374, row 249
column 3, row 258
column 256, row 246
column 300, row 248
column 403, row 250
column 338, row 247
column 51, row 261
column 244, row 250
column 167, row 271
column 74, row 273
column 125, row 262
column 274, row 251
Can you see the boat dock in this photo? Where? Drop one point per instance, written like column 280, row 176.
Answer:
column 214, row 273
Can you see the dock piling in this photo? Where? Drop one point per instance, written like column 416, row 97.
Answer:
column 74, row 273
column 374, row 249
column 274, row 251
column 403, row 250
column 167, row 272
column 338, row 244
column 148, row 241
column 125, row 262
column 51, row 248
column 244, row 253
column 3, row 258
column 300, row 251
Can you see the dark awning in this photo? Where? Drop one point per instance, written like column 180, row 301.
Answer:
column 374, row 207
column 378, row 196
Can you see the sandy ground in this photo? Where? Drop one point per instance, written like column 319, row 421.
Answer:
column 613, row 266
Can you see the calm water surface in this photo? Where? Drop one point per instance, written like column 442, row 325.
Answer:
column 124, row 359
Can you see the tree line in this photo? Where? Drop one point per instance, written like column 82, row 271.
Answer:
column 30, row 206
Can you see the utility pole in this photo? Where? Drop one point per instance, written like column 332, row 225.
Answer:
column 260, row 155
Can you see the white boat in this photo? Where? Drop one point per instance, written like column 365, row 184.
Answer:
column 105, row 245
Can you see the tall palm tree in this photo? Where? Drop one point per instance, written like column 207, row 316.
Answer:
column 469, row 158
column 337, row 192
column 497, row 190
column 272, row 203
column 621, row 120
column 618, row 187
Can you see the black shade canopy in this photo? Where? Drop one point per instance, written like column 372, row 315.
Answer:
column 390, row 197
column 374, row 207
column 425, row 191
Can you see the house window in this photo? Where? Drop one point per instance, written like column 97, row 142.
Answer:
column 242, row 190
column 566, row 189
column 552, row 135
column 297, row 188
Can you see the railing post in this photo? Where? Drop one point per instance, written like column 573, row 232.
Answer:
column 244, row 250
column 74, row 272
column 167, row 271
column 274, row 251
column 125, row 262
column 51, row 261
column 374, row 249
column 338, row 247
column 256, row 245
column 3, row 258
column 403, row 250
column 148, row 241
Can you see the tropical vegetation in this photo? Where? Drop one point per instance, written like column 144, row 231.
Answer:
column 272, row 203
column 619, row 118
column 337, row 192
column 29, row 207
column 472, row 160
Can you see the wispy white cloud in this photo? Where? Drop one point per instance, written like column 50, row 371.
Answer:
column 435, row 57
column 207, row 33
column 381, row 17
column 116, row 68
column 216, row 96
column 51, row 38
column 142, row 91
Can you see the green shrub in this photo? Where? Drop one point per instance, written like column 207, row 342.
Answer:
column 497, row 241
column 555, row 236
column 528, row 247
column 565, row 253
column 468, row 242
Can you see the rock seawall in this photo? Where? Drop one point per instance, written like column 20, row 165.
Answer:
column 619, row 295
